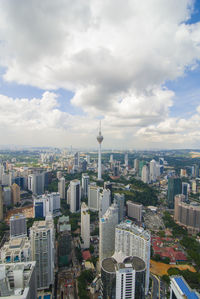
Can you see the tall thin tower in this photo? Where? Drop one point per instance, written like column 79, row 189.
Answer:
column 99, row 139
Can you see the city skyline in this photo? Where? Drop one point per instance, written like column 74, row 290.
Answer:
column 66, row 65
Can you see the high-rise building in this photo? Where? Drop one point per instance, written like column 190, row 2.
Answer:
column 194, row 186
column 183, row 173
column 93, row 197
column 126, row 159
column 123, row 279
column 153, row 171
column 179, row 289
column 15, row 189
column 75, row 196
column 107, row 232
column 36, row 183
column 7, row 196
column 42, row 248
column 120, row 199
column 108, row 185
column 61, row 187
column 88, row 159
column 85, row 184
column 145, row 174
column 132, row 240
column 85, row 225
column 18, row 280
column 47, row 204
column 18, row 226
column 99, row 139
column 134, row 210
column 174, row 188
column 136, row 166
column 76, row 161
column 1, row 204
column 104, row 201
column 141, row 165
column 185, row 187
column 187, row 214
column 111, row 159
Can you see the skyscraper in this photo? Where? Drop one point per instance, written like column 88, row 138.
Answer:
column 15, row 189
column 36, row 183
column 18, row 226
column 120, row 199
column 7, row 198
column 145, row 174
column 104, row 201
column 42, row 248
column 99, row 139
column 61, row 188
column 153, row 171
column 85, row 183
column 75, row 196
column 107, row 232
column 93, row 197
column 132, row 240
column 85, row 225
column 174, row 188
column 126, row 159
column 134, row 210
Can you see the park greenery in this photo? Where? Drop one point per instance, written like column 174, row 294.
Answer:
column 169, row 222
column 86, row 277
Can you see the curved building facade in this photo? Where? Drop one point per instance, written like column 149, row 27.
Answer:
column 187, row 213
column 123, row 280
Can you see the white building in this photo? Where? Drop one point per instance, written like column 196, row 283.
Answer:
column 7, row 196
column 85, row 225
column 153, row 171
column 132, row 240
column 75, row 196
column 107, row 226
column 61, row 187
column 18, row 281
column 47, row 204
column 42, row 248
column 179, row 289
column 145, row 174
column 18, row 226
column 104, row 201
column 126, row 159
column 85, row 184
column 36, row 183
column 16, row 250
column 93, row 197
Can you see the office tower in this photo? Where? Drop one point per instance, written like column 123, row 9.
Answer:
column 18, row 226
column 126, row 159
column 47, row 204
column 1, row 204
column 104, row 201
column 108, row 185
column 116, row 169
column 134, row 210
column 145, row 174
column 84, row 166
column 7, row 196
column 123, row 278
column 157, row 170
column 107, row 232
column 15, row 189
column 136, row 166
column 75, row 194
column 132, row 240
column 76, row 160
column 68, row 195
column 196, row 170
column 111, row 159
column 61, row 188
column 18, row 280
column 161, row 161
column 85, row 225
column 179, row 289
column 36, row 183
column 88, row 159
column 120, row 199
column 11, row 178
column 193, row 171
column 194, row 186
column 174, row 188
column 16, row 250
column 42, row 248
column 99, row 139
column 85, row 183
column 93, row 197
column 187, row 214
column 153, row 171
column 1, row 172
column 21, row 182
column 185, row 189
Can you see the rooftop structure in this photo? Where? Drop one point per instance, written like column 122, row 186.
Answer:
column 179, row 289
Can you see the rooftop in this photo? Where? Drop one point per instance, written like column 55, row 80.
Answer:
column 129, row 226
column 186, row 290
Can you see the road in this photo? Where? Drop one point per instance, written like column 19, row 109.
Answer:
column 155, row 287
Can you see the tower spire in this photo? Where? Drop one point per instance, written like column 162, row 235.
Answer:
column 99, row 139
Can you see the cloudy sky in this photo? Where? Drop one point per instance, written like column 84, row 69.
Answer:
column 66, row 64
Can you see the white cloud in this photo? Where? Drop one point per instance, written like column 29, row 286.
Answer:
column 115, row 57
